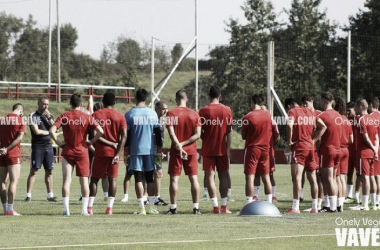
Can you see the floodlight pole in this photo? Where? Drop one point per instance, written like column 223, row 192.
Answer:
column 349, row 66
column 59, row 53
column 270, row 76
column 152, row 94
column 49, row 63
column 196, row 55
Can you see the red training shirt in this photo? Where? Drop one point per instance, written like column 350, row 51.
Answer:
column 257, row 126
column 367, row 125
column 303, row 127
column 331, row 138
column 10, row 126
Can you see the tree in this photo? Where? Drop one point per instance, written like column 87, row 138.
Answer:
column 128, row 53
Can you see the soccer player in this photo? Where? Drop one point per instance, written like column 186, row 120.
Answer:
column 40, row 122
column 216, row 120
column 12, row 130
column 256, row 131
column 75, row 125
column 367, row 151
column 346, row 139
column 161, row 109
column 143, row 132
column 330, row 149
column 301, row 142
column 184, row 130
column 373, row 107
column 106, row 158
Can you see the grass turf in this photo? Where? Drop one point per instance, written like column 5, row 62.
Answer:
column 43, row 225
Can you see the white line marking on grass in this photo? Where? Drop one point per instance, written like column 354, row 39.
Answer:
column 285, row 236
column 110, row 244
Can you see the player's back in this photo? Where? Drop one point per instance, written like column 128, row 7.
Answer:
column 257, row 126
column 184, row 122
column 331, row 138
column 216, row 120
column 346, row 132
column 368, row 124
column 10, row 125
column 303, row 127
column 112, row 123
column 141, row 122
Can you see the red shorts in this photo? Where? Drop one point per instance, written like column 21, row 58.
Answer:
column 376, row 166
column 220, row 163
column 305, row 158
column 366, row 167
column 6, row 161
column 81, row 165
column 343, row 161
column 190, row 166
column 272, row 166
column 256, row 159
column 102, row 166
column 330, row 159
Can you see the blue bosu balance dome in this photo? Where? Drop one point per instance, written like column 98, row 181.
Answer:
column 260, row 208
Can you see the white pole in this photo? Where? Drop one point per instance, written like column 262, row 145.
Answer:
column 270, row 76
column 49, row 63
column 349, row 67
column 59, row 52
column 196, row 55
column 152, row 76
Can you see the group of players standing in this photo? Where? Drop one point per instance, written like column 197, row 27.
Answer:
column 326, row 145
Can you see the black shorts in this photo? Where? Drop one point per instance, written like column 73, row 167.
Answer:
column 43, row 157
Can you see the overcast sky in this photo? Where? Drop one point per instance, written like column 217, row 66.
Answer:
column 101, row 21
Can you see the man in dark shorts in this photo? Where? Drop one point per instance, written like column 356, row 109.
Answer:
column 40, row 122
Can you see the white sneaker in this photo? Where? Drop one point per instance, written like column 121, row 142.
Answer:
column 204, row 198
column 125, row 199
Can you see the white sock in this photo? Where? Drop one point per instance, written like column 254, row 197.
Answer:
column 145, row 198
column 126, row 196
column 29, row 195
column 5, row 206
column 248, row 199
column 350, row 188
column 301, row 196
column 319, row 202
column 327, row 201
column 10, row 207
column 340, row 201
column 314, row 203
column 373, row 198
column 274, row 191
column 141, row 202
column 333, row 202
column 156, row 198
column 365, row 200
column 229, row 192
column 296, row 205
column 357, row 196
column 105, row 194
column 269, row 198
column 173, row 206
column 256, row 190
column 91, row 201
column 151, row 200
column 377, row 199
column 84, row 203
column 65, row 201
column 196, row 205
column 111, row 200
column 214, row 202
column 49, row 195
column 223, row 201
column 205, row 191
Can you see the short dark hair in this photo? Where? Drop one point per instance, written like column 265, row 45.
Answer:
column 98, row 106
column 109, row 99
column 327, row 96
column 17, row 106
column 374, row 102
column 75, row 100
column 362, row 103
column 141, row 95
column 42, row 98
column 159, row 104
column 180, row 95
column 340, row 105
column 307, row 98
column 214, row 92
column 258, row 99
column 350, row 105
column 290, row 101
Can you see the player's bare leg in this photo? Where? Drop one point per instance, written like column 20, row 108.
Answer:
column 344, row 190
column 312, row 178
column 210, row 184
column 49, row 185
column 30, row 183
column 267, row 187
column 126, row 183
column 85, row 194
column 3, row 191
column 112, row 187
column 139, row 187
column 273, row 183
column 373, row 191
column 173, row 190
column 350, row 185
column 302, row 185
column 93, row 192
column 67, row 170
column 320, row 190
column 329, row 177
column 195, row 189
column 256, row 187
column 205, row 190
column 249, row 178
column 296, row 172
column 158, row 174
column 105, row 186
column 14, row 176
column 377, row 177
column 339, row 185
column 358, row 186
column 223, row 189
column 229, row 190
